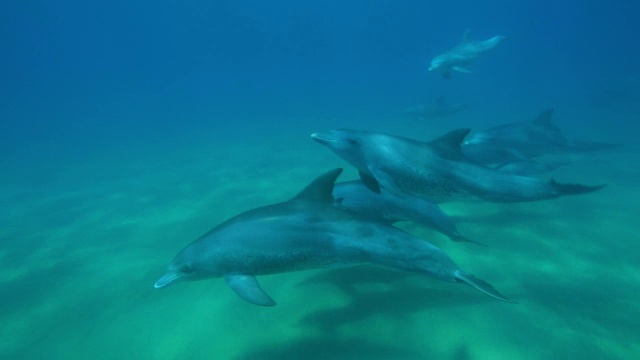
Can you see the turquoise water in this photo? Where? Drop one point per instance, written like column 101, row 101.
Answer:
column 128, row 129
column 83, row 250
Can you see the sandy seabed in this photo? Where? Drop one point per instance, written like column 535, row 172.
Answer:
column 81, row 251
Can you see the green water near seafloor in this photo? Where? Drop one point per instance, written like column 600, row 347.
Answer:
column 81, row 251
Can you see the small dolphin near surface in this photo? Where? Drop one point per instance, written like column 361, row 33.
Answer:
column 458, row 58
column 357, row 197
column 524, row 140
column 435, row 170
column 307, row 232
column 441, row 108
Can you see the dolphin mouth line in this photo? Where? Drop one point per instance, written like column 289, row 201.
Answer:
column 164, row 280
column 323, row 138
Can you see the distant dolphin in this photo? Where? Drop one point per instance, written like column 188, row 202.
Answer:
column 524, row 140
column 355, row 196
column 303, row 233
column 529, row 167
column 435, row 170
column 441, row 108
column 458, row 58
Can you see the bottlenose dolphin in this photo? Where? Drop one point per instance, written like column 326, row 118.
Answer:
column 357, row 197
column 435, row 170
column 458, row 58
column 307, row 232
column 524, row 140
column 441, row 108
column 529, row 167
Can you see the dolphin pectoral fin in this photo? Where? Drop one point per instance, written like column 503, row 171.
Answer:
column 446, row 75
column 247, row 287
column 481, row 285
column 370, row 182
column 386, row 181
column 461, row 69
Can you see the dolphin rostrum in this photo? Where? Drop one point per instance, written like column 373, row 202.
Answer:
column 435, row 170
column 459, row 57
column 357, row 197
column 524, row 140
column 307, row 232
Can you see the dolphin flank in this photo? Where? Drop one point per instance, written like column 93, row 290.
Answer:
column 307, row 232
column 385, row 206
column 524, row 140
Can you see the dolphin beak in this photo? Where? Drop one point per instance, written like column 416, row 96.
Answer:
column 320, row 138
column 167, row 279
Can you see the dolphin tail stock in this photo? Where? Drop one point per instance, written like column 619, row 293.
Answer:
column 482, row 286
column 573, row 189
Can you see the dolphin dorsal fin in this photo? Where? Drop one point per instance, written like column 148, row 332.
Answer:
column 320, row 189
column 448, row 145
column 441, row 102
column 544, row 119
column 465, row 37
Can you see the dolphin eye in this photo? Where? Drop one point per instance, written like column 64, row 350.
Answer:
column 352, row 141
column 185, row 269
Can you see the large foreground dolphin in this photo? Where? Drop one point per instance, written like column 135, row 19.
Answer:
column 306, row 232
column 436, row 170
column 458, row 58
column 384, row 206
column 524, row 140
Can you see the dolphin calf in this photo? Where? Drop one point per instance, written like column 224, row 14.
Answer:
column 524, row 140
column 435, row 170
column 441, row 108
column 306, row 232
column 385, row 206
column 458, row 58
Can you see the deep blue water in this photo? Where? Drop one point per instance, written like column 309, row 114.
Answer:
column 160, row 103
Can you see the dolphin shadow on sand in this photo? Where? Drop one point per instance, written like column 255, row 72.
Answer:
column 331, row 346
column 372, row 292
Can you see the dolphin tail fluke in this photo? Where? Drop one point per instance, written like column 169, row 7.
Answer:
column 460, row 238
column 573, row 189
column 482, row 286
column 586, row 146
